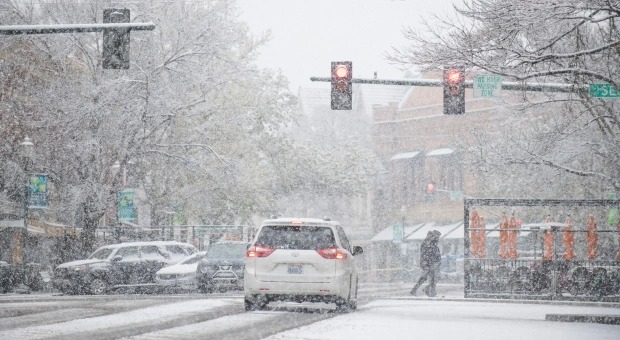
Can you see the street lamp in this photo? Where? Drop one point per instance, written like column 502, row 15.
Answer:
column 114, row 169
column 27, row 147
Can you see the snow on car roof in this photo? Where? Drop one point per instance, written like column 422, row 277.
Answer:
column 299, row 221
column 145, row 243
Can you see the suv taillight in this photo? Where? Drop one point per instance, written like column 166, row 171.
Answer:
column 259, row 251
column 333, row 253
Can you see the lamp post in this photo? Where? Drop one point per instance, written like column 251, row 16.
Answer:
column 170, row 214
column 27, row 147
column 114, row 169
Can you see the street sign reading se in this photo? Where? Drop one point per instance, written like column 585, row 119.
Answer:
column 604, row 91
column 487, row 85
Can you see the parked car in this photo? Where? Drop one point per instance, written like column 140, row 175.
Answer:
column 301, row 259
column 118, row 265
column 222, row 267
column 180, row 276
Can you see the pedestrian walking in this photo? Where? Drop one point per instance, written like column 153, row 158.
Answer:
column 430, row 258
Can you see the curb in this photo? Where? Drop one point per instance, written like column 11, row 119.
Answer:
column 587, row 318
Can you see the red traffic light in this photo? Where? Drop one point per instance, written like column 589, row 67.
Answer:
column 342, row 85
column 430, row 188
column 454, row 76
column 341, row 72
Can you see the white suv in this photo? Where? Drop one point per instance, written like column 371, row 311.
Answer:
column 301, row 259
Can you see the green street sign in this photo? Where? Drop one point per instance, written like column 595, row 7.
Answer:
column 487, row 85
column 604, row 91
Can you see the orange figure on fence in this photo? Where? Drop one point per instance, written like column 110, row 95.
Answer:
column 548, row 241
column 503, row 236
column 482, row 251
column 512, row 237
column 478, row 247
column 568, row 239
column 592, row 238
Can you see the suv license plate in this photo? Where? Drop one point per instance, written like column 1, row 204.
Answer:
column 295, row 269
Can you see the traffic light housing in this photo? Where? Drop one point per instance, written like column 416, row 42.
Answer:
column 342, row 89
column 116, row 41
column 454, row 90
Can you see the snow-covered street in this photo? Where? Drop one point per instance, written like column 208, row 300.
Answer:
column 396, row 316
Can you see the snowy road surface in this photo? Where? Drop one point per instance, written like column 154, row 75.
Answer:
column 221, row 316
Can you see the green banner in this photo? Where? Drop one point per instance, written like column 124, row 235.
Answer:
column 126, row 209
column 37, row 191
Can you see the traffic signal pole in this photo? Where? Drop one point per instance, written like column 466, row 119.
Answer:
column 73, row 28
column 116, row 29
column 515, row 86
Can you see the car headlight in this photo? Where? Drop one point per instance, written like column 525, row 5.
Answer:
column 80, row 268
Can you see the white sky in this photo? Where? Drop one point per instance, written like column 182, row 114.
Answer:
column 306, row 36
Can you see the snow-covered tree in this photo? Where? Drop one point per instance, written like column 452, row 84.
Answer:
column 575, row 149
column 188, row 118
column 194, row 122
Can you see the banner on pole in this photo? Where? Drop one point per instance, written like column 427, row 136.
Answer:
column 37, row 191
column 126, row 209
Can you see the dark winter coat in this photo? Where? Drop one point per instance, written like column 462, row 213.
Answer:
column 429, row 252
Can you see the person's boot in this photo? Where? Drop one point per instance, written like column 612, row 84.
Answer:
column 414, row 290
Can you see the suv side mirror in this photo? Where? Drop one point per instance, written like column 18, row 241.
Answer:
column 116, row 258
column 357, row 250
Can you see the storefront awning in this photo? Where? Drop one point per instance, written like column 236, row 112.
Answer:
column 457, row 233
column 130, row 224
column 36, row 227
column 387, row 234
column 444, row 229
column 20, row 225
column 440, row 152
column 405, row 155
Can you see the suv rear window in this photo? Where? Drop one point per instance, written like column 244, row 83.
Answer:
column 296, row 237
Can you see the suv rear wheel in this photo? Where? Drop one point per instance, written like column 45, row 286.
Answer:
column 349, row 304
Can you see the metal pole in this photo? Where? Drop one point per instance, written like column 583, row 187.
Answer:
column 25, row 230
column 74, row 28
column 515, row 86
column 27, row 145
column 466, row 252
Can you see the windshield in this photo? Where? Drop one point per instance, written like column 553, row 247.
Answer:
column 296, row 237
column 101, row 254
column 227, row 251
column 190, row 260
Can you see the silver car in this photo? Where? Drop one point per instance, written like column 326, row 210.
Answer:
column 180, row 276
